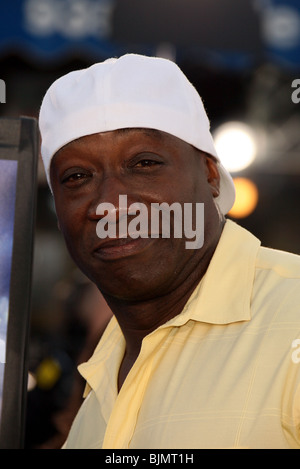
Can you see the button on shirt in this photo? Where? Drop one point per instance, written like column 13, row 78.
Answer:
column 224, row 373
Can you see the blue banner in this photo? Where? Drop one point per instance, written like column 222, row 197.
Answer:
column 280, row 29
column 50, row 28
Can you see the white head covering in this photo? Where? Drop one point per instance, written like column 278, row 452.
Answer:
column 133, row 91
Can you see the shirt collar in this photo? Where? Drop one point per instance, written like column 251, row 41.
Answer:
column 223, row 296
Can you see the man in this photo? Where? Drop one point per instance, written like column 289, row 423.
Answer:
column 202, row 349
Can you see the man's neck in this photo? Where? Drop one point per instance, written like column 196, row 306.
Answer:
column 137, row 319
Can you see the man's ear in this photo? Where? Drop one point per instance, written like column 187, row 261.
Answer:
column 213, row 176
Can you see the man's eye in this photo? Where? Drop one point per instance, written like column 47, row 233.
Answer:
column 76, row 176
column 147, row 163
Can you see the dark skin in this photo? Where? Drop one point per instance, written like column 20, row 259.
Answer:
column 147, row 281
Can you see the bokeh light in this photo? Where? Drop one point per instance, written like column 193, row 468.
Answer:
column 246, row 198
column 236, row 145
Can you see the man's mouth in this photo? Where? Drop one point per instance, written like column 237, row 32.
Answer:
column 115, row 248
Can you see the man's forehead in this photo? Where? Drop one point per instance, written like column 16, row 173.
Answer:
column 84, row 141
column 158, row 134
column 159, row 140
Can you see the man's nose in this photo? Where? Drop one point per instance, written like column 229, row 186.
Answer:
column 111, row 199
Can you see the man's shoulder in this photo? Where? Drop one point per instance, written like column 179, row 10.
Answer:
column 283, row 263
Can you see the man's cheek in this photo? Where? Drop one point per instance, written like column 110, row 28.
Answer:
column 73, row 237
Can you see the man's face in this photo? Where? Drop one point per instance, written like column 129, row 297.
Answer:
column 148, row 167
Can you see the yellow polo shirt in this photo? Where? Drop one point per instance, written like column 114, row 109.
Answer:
column 225, row 373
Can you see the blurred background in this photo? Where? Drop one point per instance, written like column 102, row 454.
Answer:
column 244, row 59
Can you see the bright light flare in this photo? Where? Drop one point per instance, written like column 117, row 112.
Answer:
column 246, row 198
column 236, row 145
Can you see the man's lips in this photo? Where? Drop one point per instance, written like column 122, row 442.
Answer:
column 114, row 248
